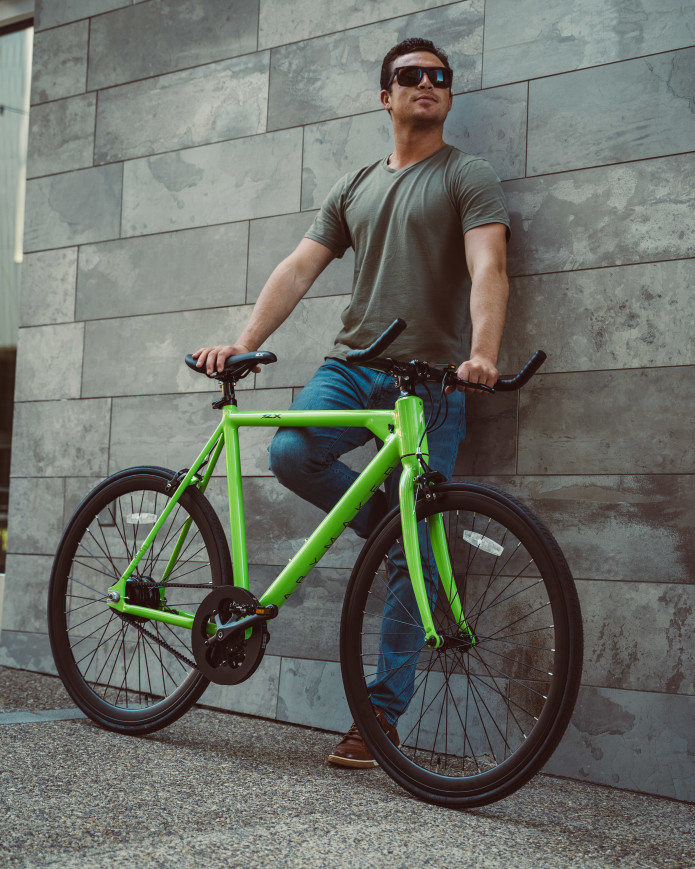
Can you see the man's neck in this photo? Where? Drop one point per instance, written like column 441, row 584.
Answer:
column 411, row 146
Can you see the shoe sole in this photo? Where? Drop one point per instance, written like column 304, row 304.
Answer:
column 352, row 762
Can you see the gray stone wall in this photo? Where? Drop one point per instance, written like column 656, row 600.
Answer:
column 179, row 149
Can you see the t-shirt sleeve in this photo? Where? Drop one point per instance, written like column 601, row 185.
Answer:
column 329, row 227
column 479, row 196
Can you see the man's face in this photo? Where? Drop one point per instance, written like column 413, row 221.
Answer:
column 422, row 105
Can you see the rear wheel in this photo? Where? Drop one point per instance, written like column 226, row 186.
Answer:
column 133, row 675
column 480, row 715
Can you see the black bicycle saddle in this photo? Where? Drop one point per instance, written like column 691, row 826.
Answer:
column 235, row 367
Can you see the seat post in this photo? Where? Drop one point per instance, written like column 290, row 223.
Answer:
column 228, row 395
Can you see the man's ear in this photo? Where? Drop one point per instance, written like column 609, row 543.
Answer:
column 385, row 98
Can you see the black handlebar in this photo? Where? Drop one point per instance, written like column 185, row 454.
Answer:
column 507, row 384
column 424, row 372
column 387, row 337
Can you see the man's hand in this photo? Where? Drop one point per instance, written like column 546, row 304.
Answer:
column 213, row 358
column 477, row 370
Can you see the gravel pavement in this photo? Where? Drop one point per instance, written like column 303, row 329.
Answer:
column 223, row 790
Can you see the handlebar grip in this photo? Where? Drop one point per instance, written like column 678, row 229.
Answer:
column 508, row 384
column 382, row 342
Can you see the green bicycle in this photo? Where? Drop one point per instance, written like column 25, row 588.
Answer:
column 146, row 606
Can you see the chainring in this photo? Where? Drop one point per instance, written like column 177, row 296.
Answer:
column 234, row 659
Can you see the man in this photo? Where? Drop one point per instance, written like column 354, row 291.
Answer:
column 419, row 220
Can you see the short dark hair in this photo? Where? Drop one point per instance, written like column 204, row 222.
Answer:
column 406, row 47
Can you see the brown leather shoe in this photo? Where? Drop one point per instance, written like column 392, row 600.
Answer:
column 352, row 751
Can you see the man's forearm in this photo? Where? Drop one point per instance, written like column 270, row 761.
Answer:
column 489, row 296
column 279, row 297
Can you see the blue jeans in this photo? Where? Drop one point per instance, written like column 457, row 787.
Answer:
column 307, row 461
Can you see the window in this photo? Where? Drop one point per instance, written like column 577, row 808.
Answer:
column 15, row 80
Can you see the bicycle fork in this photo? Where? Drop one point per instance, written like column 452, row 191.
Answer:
column 410, row 413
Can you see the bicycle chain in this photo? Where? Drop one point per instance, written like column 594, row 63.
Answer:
column 131, row 621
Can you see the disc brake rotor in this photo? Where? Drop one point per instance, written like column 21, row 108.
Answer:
column 234, row 658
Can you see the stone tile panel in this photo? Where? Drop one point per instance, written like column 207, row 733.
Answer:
column 334, row 148
column 60, row 438
column 225, row 100
column 338, row 75
column 49, row 362
column 299, row 358
column 251, row 177
column 636, row 316
column 573, row 120
column 145, row 355
column 48, row 287
column 273, row 238
column 61, row 136
column 492, row 124
column 309, row 623
column 59, row 64
column 543, row 37
column 171, row 430
column 175, row 271
column 76, row 490
column 635, row 740
column 53, row 13
column 26, row 593
column 639, row 636
column 631, row 528
column 281, row 22
column 24, row 650
column 73, row 208
column 35, row 522
column 258, row 696
column 620, row 422
column 149, row 39
column 490, row 442
column 278, row 522
column 311, row 693
column 614, row 215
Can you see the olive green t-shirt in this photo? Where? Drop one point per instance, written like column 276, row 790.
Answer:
column 406, row 227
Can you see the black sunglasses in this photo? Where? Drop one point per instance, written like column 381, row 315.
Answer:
column 411, row 76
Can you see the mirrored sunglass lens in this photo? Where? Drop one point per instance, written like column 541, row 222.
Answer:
column 409, row 76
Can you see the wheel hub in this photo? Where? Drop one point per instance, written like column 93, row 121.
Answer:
column 143, row 591
column 462, row 641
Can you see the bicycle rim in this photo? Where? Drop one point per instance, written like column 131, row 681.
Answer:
column 130, row 674
column 487, row 710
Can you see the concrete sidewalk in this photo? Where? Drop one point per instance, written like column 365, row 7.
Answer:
column 217, row 789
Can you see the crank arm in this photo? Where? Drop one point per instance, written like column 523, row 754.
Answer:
column 262, row 614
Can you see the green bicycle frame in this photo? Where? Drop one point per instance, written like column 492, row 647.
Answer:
column 402, row 431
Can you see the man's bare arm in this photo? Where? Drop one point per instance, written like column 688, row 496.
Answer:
column 289, row 282
column 486, row 256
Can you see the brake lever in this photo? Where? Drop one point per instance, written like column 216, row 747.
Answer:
column 480, row 386
column 450, row 379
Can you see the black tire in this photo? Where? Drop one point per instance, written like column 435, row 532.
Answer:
column 123, row 678
column 485, row 717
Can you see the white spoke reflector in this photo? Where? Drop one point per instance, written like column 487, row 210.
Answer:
column 141, row 518
column 484, row 543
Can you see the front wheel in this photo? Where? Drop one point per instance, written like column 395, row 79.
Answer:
column 479, row 716
column 133, row 675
